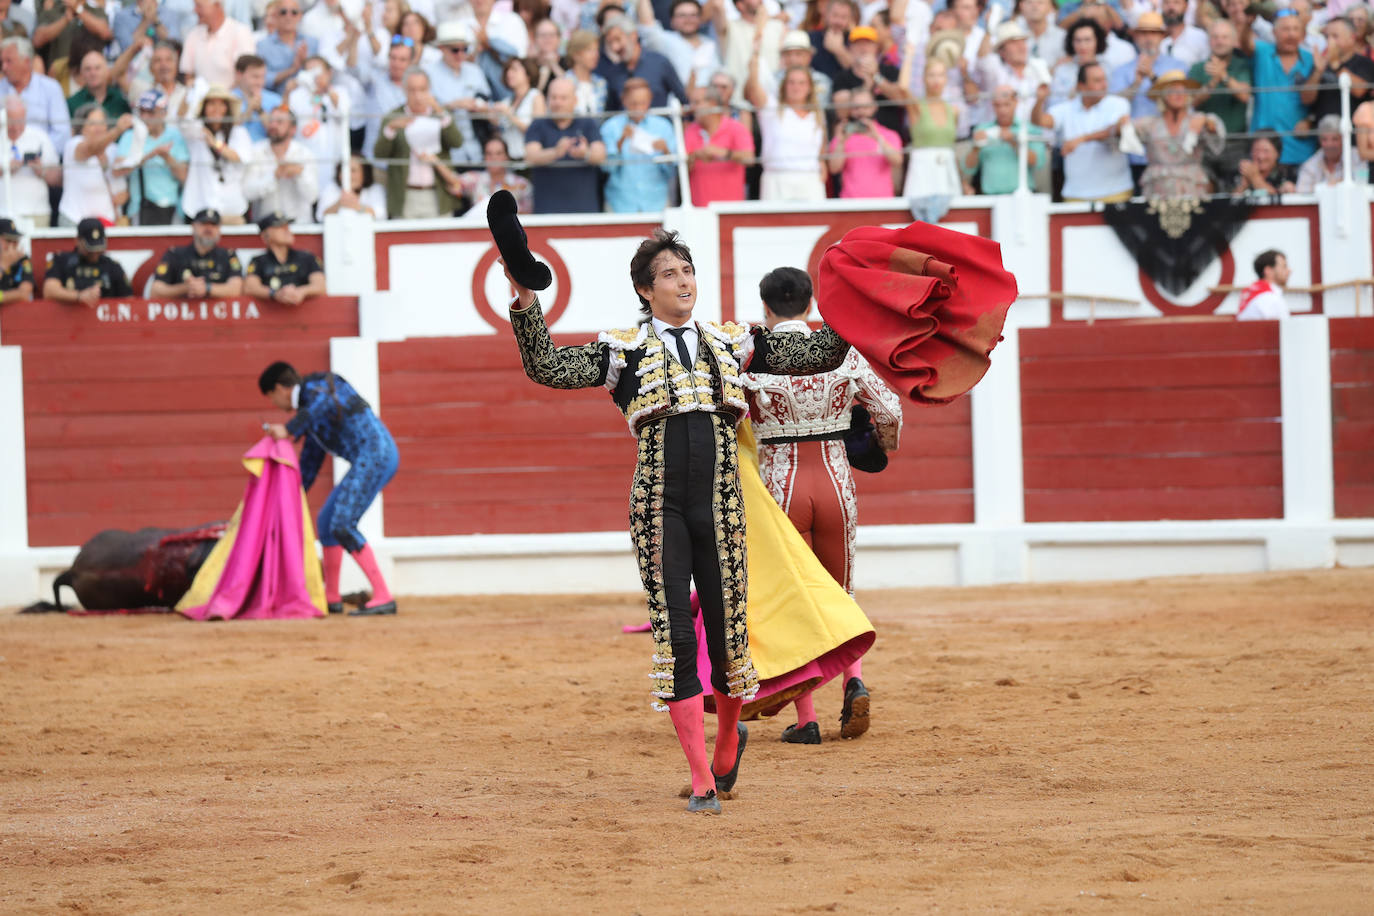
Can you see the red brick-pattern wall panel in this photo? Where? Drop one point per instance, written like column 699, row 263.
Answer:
column 1352, row 415
column 1152, row 420
column 929, row 479
column 485, row 450
column 130, row 424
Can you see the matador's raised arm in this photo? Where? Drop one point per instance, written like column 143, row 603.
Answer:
column 583, row 366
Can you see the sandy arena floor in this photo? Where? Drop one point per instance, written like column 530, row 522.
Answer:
column 1167, row 746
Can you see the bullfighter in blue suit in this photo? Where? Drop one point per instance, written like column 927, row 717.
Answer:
column 334, row 418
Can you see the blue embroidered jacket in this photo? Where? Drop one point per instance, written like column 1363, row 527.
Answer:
column 334, row 418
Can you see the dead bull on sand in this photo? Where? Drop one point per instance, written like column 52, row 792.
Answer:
column 131, row 570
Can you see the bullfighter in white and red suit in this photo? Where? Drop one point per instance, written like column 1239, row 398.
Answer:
column 801, row 423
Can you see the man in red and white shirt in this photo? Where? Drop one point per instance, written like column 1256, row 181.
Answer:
column 1263, row 299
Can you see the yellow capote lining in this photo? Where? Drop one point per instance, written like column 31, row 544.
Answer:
column 797, row 611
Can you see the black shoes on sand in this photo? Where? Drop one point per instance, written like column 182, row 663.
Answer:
column 727, row 782
column 810, row 733
column 854, row 717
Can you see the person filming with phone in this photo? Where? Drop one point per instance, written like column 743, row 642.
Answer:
column 34, row 166
column 865, row 155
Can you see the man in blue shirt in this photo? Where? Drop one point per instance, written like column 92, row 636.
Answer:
column 622, row 57
column 386, row 90
column 1284, row 65
column 42, row 95
column 634, row 139
column 286, row 50
column 250, row 87
column 1133, row 81
column 154, row 160
column 554, row 146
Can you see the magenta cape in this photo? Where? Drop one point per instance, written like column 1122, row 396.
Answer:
column 924, row 305
column 265, row 565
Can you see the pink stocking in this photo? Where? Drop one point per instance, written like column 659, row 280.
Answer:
column 727, row 732
column 854, row 670
column 687, row 716
column 806, row 709
column 380, row 593
column 333, row 563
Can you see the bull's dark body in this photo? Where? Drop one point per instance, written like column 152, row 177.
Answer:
column 126, row 570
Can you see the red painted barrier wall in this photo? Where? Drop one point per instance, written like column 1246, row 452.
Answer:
column 1152, row 420
column 1352, row 415
column 485, row 450
column 133, row 417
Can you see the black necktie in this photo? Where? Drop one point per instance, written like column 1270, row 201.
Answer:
column 683, row 356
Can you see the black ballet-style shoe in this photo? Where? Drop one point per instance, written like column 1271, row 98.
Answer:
column 704, row 804
column 336, row 607
column 513, row 244
column 810, row 733
column 378, row 611
column 727, row 782
column 854, row 717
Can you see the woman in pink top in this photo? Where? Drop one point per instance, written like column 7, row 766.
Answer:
column 865, row 154
column 717, row 148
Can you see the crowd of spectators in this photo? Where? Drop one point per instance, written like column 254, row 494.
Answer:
column 145, row 113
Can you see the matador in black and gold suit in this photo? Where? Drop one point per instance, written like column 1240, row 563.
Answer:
column 686, row 509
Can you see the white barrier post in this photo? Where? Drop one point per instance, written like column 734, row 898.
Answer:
column 345, row 139
column 1305, row 541
column 1022, row 158
column 683, row 179
column 1347, row 169
column 9, row 190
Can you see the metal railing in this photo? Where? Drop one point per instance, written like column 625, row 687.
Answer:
column 679, row 158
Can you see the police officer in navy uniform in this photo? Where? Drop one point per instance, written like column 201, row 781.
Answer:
column 284, row 274
column 86, row 275
column 201, row 270
column 16, row 270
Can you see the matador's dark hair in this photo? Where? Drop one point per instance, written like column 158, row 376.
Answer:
column 642, row 264
column 279, row 373
column 786, row 291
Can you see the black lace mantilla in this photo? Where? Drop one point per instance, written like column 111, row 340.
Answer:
column 583, row 366
column 1175, row 242
column 795, row 353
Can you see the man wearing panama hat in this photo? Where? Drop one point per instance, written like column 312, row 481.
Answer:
column 1010, row 64
column 1132, row 81
column 459, row 84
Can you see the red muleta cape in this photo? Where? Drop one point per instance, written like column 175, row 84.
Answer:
column 924, row 305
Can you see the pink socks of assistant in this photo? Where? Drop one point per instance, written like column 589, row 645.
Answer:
column 333, row 564
column 380, row 593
